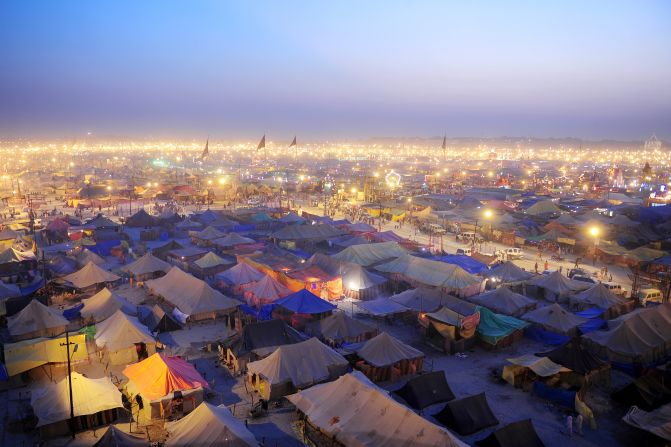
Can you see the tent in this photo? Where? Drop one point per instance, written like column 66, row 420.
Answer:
column 467, row 263
column 426, row 390
column 554, row 318
column 305, row 302
column 146, row 267
column 640, row 336
column 656, row 422
column 421, row 299
column 209, row 426
column 295, row 366
column 647, row 392
column 231, row 240
column 291, row 218
column 307, row 233
column 355, row 412
column 7, row 291
column 90, row 275
column 101, row 222
column 499, row 330
column 386, row 357
column 103, row 304
column 596, row 296
column 381, row 307
column 468, row 415
column 90, row 397
column 314, row 278
column 517, row 434
column 370, row 254
column 207, row 235
column 543, row 207
column 265, row 291
column 508, row 272
column 211, row 264
column 340, row 328
column 28, row 354
column 114, row 437
column 160, row 375
column 557, row 286
column 574, row 356
column 119, row 335
column 157, row 320
column 505, row 301
column 240, row 274
column 516, row 373
column 191, row 295
column 359, row 283
column 36, row 320
column 62, row 265
column 141, row 219
column 85, row 256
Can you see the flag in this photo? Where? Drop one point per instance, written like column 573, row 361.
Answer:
column 206, row 151
column 262, row 143
column 293, row 143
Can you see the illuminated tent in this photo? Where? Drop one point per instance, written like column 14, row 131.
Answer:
column 160, row 375
column 240, row 274
column 305, row 302
column 36, row 320
column 209, row 426
column 265, row 291
column 35, row 352
column 119, row 335
column 114, row 437
column 315, row 279
column 90, row 275
column 103, row 305
column 146, row 267
column 355, row 412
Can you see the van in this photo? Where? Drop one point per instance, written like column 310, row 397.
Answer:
column 615, row 288
column 469, row 237
column 646, row 296
column 436, row 229
column 513, row 253
column 465, row 251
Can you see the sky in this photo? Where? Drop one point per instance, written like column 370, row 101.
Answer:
column 336, row 70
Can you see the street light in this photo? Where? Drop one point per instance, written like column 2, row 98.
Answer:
column 594, row 231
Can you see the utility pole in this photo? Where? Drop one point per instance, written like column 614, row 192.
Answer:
column 71, row 422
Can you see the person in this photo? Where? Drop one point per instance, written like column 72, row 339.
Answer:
column 561, row 267
column 578, row 424
column 610, row 277
column 536, row 267
column 546, row 266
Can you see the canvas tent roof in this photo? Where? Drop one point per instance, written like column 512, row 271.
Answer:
column 231, row 240
column 267, row 289
column 9, row 290
column 381, row 307
column 85, row 256
column 541, row 366
column 14, row 255
column 355, row 277
column 121, row 331
column 209, row 426
column 160, row 375
column 305, row 302
column 468, row 415
column 543, row 207
column 338, row 326
column 554, row 318
column 508, row 272
column 89, row 275
column 303, row 232
column 148, row 263
column 140, row 219
column 384, row 350
column 656, row 422
column 421, row 299
column 359, row 414
column 208, row 234
column 369, row 254
column 575, row 357
column 51, row 403
column 156, row 319
column 425, row 390
column 263, row 335
column 191, row 295
column 598, row 295
column 291, row 218
column 101, row 221
column 35, row 317
column 114, row 437
column 558, row 284
column 240, row 274
column 517, row 434
column 647, row 392
column 303, row 364
column 430, row 273
column 504, row 301
column 210, row 260
column 103, row 305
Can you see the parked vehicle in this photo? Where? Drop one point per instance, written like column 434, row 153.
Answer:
column 513, row 253
column 583, row 278
column 616, row 289
column 465, row 251
column 648, row 296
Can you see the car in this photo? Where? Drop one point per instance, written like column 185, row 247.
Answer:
column 583, row 278
column 615, row 288
column 577, row 271
column 467, row 251
column 650, row 296
column 436, row 229
column 513, row 253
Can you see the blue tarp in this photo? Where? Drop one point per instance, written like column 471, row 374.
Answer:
column 249, row 310
column 565, row 398
column 664, row 260
column 3, row 373
column 549, row 338
column 62, row 265
column 243, row 228
column 73, row 312
column 654, row 214
column 266, row 312
column 305, row 302
column 103, row 248
column 37, row 284
column 592, row 325
column 593, row 312
column 467, row 263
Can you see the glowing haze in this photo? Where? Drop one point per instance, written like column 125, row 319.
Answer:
column 590, row 69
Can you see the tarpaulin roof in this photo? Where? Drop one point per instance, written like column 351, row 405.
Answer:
column 303, row 364
column 209, row 426
column 359, row 414
column 338, row 327
column 517, row 434
column 121, row 331
column 369, row 254
column 101, row 221
column 298, row 232
column 505, row 301
column 598, row 295
column 210, row 260
column 188, row 224
column 291, row 218
column 160, row 375
column 264, row 334
column 554, row 318
column 9, row 290
column 381, row 307
column 208, row 234
column 85, row 256
column 575, row 357
column 157, row 320
column 468, row 415
column 28, row 354
column 103, row 304
column 14, row 255
column 267, row 289
column 311, row 273
column 232, row 239
column 114, row 437
column 240, row 274
column 493, row 327
column 558, row 284
column 543, row 207
column 52, row 403
column 62, row 265
column 467, row 263
column 431, row 273
column 385, row 350
column 305, row 302
column 191, row 295
column 508, row 272
column 140, row 219
column 425, row 390
column 90, row 275
column 35, row 317
column 421, row 299
column 656, row 422
column 146, row 264
column 541, row 366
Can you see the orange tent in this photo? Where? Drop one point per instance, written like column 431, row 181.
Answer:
column 160, row 375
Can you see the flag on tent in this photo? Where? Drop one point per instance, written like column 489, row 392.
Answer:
column 262, row 143
column 293, row 143
column 206, row 151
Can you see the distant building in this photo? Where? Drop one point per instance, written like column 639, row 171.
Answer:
column 653, row 144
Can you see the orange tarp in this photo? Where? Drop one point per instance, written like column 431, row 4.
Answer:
column 160, row 375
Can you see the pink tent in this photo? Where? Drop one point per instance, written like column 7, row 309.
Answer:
column 265, row 291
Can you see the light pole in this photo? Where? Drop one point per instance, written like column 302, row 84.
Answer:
column 594, row 232
column 71, row 421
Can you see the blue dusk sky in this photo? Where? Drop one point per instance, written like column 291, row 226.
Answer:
column 337, row 69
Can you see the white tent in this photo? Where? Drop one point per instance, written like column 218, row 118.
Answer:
column 558, row 285
column 145, row 265
column 384, row 350
column 554, row 318
column 89, row 275
column 358, row 414
column 85, row 256
column 369, row 254
column 114, row 437
column 103, row 304
column 599, row 296
column 90, row 396
column 191, row 295
column 36, row 320
column 119, row 334
column 209, row 426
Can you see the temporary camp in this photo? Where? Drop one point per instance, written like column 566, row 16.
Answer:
column 517, row 434
column 209, row 426
column 124, row 338
column 265, row 291
column 232, row 240
column 468, row 415
column 340, row 328
column 497, row 330
column 527, row 368
column 256, row 341
column 191, row 295
column 584, row 364
column 157, row 320
column 102, row 305
column 95, row 403
column 293, row 367
column 312, row 277
column 364, row 415
column 544, row 207
column 84, row 256
column 146, row 267
column 28, row 354
column 421, row 299
column 386, row 358
column 600, row 296
column 36, row 320
column 556, row 287
column 505, row 301
column 449, row 330
column 555, row 319
column 88, row 276
column 426, row 390
column 211, row 264
column 141, row 219
column 370, row 254
column 507, row 273
column 114, row 437
column 239, row 275
column 159, row 378
column 357, row 282
column 204, row 237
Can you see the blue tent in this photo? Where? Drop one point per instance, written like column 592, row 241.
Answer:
column 467, row 263
column 305, row 302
